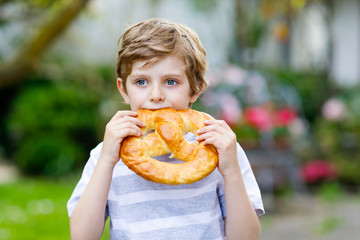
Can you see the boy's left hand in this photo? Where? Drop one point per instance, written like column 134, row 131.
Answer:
column 219, row 134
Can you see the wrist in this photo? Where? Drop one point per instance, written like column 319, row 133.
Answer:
column 106, row 161
column 232, row 173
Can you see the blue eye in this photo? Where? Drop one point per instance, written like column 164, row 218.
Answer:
column 171, row 82
column 141, row 82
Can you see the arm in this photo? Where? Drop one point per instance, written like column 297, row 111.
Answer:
column 241, row 220
column 88, row 218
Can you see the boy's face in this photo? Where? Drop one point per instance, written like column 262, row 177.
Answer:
column 156, row 85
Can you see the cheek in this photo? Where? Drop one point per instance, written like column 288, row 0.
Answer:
column 179, row 100
column 137, row 97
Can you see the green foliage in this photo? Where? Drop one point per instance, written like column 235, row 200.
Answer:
column 338, row 144
column 336, row 141
column 36, row 209
column 53, row 127
column 248, row 136
column 330, row 192
column 328, row 225
column 28, row 10
column 49, row 154
column 204, row 6
column 339, row 139
column 312, row 87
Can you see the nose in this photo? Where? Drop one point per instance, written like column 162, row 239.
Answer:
column 156, row 94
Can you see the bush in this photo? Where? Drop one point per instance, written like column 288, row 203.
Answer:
column 257, row 106
column 313, row 88
column 48, row 155
column 338, row 144
column 52, row 127
column 338, row 134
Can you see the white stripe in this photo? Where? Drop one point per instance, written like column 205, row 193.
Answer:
column 151, row 195
column 85, row 178
column 121, row 170
column 169, row 222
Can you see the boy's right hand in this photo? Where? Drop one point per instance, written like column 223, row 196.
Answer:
column 121, row 125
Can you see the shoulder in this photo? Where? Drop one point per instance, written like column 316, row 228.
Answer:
column 95, row 152
column 93, row 159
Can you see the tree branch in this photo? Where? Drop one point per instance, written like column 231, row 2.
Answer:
column 15, row 70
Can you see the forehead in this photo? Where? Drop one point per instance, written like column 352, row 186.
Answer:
column 164, row 63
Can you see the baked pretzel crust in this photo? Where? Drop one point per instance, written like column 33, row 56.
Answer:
column 169, row 126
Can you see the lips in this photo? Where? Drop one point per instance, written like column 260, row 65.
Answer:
column 157, row 108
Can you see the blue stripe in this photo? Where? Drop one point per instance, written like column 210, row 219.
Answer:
column 164, row 208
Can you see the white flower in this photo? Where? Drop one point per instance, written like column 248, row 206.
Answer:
column 298, row 127
column 234, row 75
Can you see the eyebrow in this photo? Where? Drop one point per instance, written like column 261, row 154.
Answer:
column 139, row 75
column 169, row 75
column 174, row 75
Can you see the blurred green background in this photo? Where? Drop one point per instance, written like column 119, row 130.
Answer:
column 284, row 74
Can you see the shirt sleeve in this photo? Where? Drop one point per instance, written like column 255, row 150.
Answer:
column 84, row 180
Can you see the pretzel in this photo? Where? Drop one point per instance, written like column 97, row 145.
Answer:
column 169, row 125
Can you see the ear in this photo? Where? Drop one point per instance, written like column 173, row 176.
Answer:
column 122, row 91
column 194, row 97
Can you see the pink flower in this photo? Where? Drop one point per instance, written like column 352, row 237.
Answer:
column 284, row 117
column 259, row 118
column 213, row 77
column 230, row 109
column 317, row 171
column 334, row 109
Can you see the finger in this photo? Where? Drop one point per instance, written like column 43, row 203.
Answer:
column 204, row 136
column 220, row 123
column 210, row 128
column 130, row 125
column 118, row 135
column 215, row 125
column 126, row 132
column 121, row 114
column 117, row 129
column 131, row 132
column 211, row 141
column 126, row 116
column 131, row 119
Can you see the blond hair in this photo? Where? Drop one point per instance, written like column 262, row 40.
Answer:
column 155, row 38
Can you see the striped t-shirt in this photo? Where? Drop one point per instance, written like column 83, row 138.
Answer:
column 140, row 209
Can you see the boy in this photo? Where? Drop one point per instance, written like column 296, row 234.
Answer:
column 160, row 65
